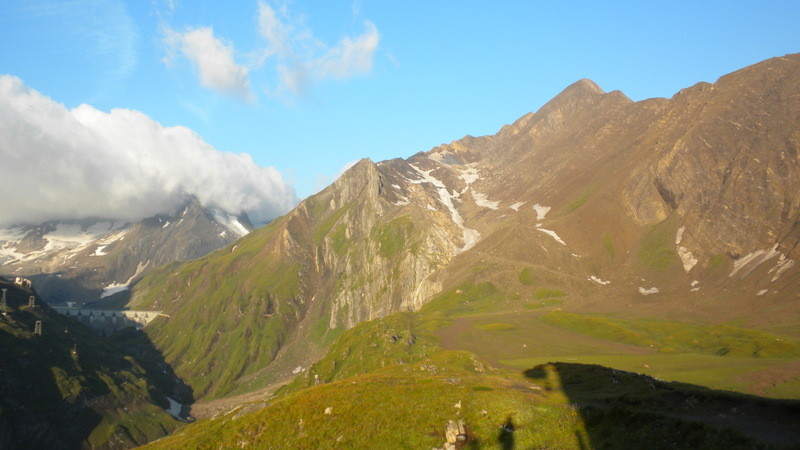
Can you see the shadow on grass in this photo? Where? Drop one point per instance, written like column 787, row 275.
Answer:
column 506, row 437
column 628, row 410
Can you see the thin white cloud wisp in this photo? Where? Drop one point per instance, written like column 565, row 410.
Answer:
column 122, row 165
column 302, row 59
column 351, row 56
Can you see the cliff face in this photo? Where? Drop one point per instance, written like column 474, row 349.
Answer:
column 375, row 257
column 606, row 200
column 727, row 161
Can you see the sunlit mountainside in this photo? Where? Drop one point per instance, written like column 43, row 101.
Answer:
column 657, row 237
column 602, row 273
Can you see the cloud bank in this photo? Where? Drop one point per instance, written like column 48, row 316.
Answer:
column 123, row 165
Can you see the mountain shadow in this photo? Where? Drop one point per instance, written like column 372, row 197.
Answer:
column 64, row 386
column 628, row 410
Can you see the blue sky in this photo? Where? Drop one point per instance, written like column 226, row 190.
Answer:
column 308, row 87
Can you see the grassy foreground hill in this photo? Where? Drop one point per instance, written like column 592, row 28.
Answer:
column 389, row 384
column 70, row 388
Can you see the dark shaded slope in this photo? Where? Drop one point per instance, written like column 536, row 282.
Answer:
column 69, row 387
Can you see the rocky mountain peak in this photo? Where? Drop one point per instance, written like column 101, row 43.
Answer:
column 585, row 85
column 363, row 175
column 580, row 92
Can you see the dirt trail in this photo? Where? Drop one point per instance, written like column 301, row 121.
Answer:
column 213, row 408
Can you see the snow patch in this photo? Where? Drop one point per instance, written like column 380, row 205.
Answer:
column 425, row 177
column 431, row 208
column 483, row 201
column 113, row 237
column 99, row 251
column 113, row 288
column 469, row 236
column 652, row 290
column 781, row 266
column 756, row 258
column 68, row 237
column 402, row 202
column 469, row 175
column 165, row 225
column 598, row 280
column 9, row 238
column 553, row 234
column 298, row 369
column 541, row 211
column 679, row 235
column 695, row 283
column 761, row 292
column 396, row 186
column 687, row 258
column 222, row 233
column 516, row 206
column 230, row 222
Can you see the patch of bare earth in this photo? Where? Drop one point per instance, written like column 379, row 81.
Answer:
column 760, row 381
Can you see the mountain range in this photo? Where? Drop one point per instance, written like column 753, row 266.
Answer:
column 683, row 208
column 90, row 260
column 598, row 273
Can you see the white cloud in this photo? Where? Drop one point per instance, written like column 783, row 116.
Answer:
column 351, row 56
column 302, row 59
column 273, row 29
column 212, row 58
column 298, row 58
column 68, row 164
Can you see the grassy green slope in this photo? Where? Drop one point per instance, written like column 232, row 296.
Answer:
column 243, row 303
column 512, row 331
column 70, row 387
column 242, row 318
column 388, row 384
column 391, row 383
